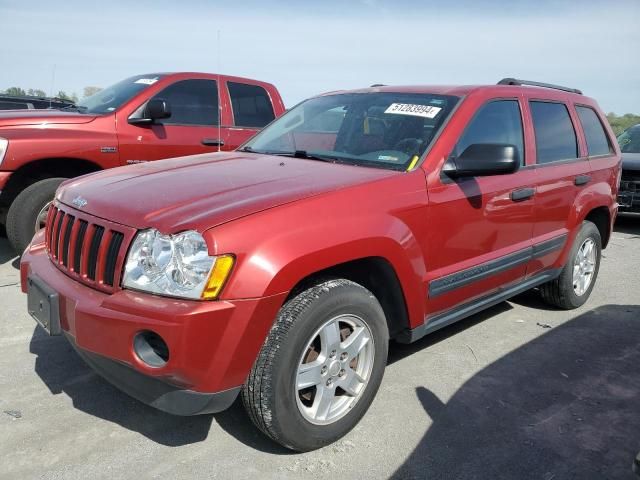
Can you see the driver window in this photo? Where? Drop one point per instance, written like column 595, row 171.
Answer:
column 498, row 121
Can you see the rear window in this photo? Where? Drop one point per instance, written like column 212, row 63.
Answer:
column 251, row 105
column 597, row 141
column 555, row 135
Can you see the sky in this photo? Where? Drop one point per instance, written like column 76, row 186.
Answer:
column 306, row 48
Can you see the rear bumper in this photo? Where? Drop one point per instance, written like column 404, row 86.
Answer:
column 212, row 344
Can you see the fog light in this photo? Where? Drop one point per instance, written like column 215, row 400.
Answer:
column 151, row 349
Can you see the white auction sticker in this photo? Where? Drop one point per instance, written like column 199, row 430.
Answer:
column 426, row 111
column 147, row 81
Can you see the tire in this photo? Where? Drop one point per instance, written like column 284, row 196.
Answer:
column 562, row 292
column 24, row 210
column 271, row 394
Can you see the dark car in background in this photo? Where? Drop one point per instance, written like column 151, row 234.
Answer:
column 28, row 102
column 629, row 194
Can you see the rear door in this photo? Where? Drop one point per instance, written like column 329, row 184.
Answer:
column 562, row 170
column 480, row 228
column 192, row 128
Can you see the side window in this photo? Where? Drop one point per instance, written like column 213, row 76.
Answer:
column 555, row 135
column 597, row 140
column 498, row 121
column 251, row 105
column 192, row 102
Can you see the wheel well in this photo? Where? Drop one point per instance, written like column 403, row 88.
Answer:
column 601, row 218
column 41, row 169
column 375, row 274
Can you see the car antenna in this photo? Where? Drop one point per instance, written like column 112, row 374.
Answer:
column 219, row 86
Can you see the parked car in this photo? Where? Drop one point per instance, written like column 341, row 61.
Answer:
column 281, row 271
column 142, row 118
column 28, row 102
column 629, row 196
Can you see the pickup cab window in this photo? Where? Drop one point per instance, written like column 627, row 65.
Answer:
column 192, row 102
column 385, row 130
column 251, row 105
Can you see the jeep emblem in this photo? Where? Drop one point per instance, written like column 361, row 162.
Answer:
column 79, row 202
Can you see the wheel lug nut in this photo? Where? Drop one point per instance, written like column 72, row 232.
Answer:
column 341, row 373
column 344, row 356
column 332, row 354
column 323, row 370
column 329, row 382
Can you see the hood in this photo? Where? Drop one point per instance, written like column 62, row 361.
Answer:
column 631, row 161
column 202, row 191
column 10, row 118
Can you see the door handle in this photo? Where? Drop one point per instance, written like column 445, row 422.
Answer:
column 213, row 142
column 582, row 180
column 522, row 194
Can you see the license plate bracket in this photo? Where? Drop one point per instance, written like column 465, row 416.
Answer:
column 43, row 304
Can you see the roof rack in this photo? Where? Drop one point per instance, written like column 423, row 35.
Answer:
column 378, row 85
column 516, row 81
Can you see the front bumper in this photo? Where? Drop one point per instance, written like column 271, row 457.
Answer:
column 156, row 393
column 629, row 192
column 629, row 201
column 212, row 344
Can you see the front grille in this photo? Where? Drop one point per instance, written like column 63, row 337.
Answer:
column 630, row 182
column 87, row 248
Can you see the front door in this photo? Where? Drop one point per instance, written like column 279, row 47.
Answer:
column 192, row 128
column 480, row 228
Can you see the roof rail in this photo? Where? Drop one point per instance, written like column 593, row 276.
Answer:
column 378, row 85
column 516, row 81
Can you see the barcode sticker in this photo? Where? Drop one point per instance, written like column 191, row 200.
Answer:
column 425, row 111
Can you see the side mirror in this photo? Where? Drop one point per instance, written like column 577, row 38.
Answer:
column 482, row 159
column 155, row 109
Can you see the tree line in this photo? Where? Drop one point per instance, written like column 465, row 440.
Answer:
column 36, row 92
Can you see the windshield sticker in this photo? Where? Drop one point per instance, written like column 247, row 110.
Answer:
column 387, row 158
column 425, row 111
column 147, row 81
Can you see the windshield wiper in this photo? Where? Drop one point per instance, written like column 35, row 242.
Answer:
column 77, row 108
column 294, row 154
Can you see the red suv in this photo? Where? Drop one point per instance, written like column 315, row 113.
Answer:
column 281, row 271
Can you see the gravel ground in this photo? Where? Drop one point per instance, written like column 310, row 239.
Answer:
column 520, row 391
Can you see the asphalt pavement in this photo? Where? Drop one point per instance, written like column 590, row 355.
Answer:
column 521, row 391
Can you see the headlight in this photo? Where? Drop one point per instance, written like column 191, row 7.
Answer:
column 4, row 143
column 175, row 265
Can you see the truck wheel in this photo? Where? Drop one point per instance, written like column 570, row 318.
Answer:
column 575, row 283
column 320, row 366
column 27, row 209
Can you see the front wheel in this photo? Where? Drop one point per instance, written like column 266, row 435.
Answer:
column 320, row 366
column 28, row 211
column 578, row 277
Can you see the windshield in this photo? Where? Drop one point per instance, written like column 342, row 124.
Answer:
column 387, row 130
column 629, row 141
column 109, row 99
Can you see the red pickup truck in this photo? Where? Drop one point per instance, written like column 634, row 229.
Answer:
column 142, row 118
column 280, row 271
